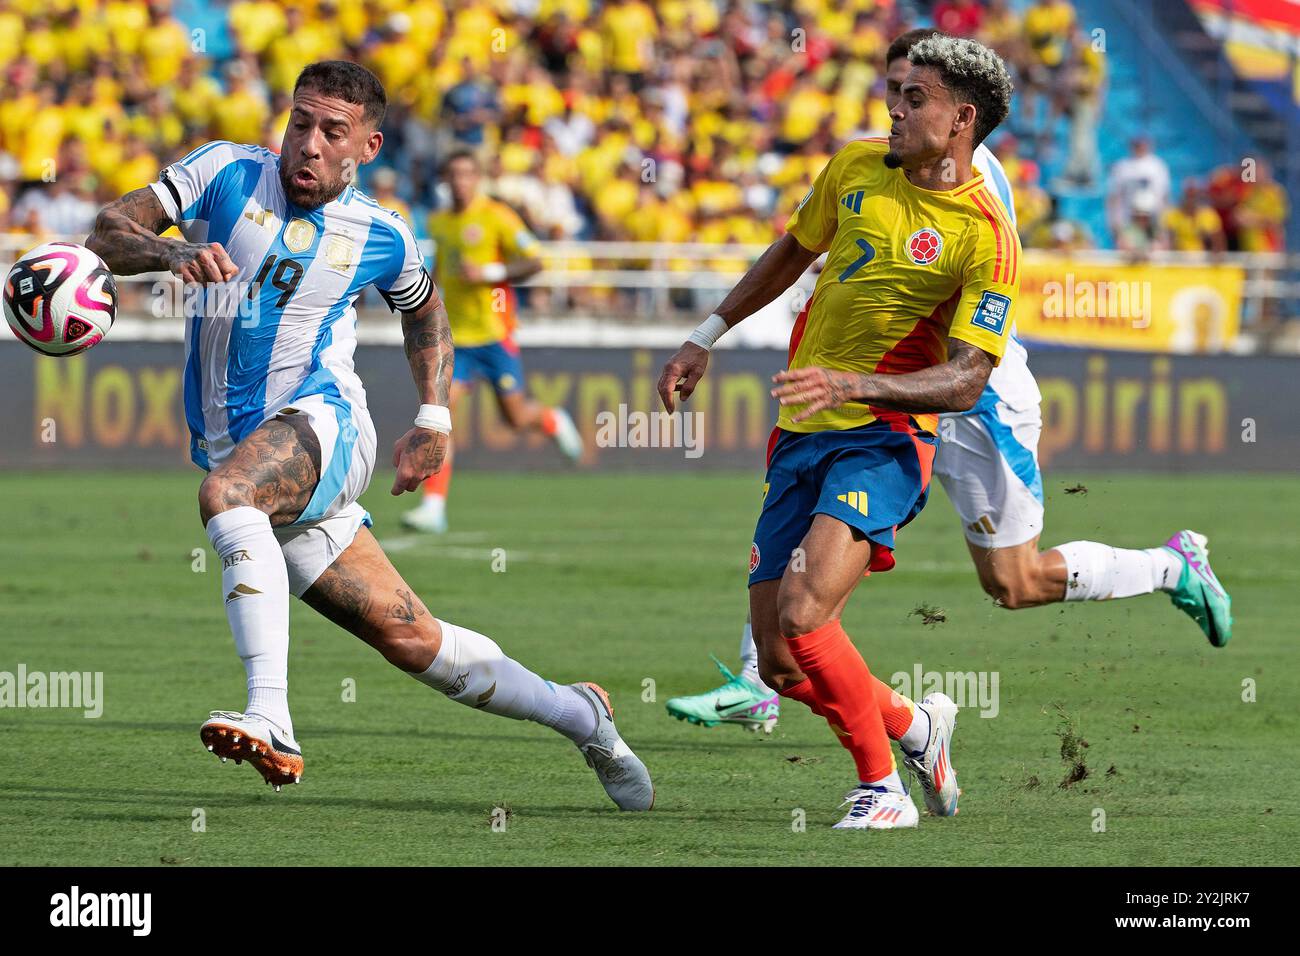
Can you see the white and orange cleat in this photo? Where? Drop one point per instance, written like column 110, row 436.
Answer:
column 239, row 737
column 875, row 808
column 933, row 766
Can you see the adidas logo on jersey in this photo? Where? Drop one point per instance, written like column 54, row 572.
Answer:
column 854, row 499
column 853, row 201
column 263, row 217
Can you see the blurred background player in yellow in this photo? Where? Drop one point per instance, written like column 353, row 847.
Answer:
column 481, row 247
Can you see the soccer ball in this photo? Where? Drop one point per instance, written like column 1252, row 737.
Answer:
column 60, row 298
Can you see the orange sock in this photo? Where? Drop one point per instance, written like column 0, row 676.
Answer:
column 895, row 709
column 803, row 692
column 842, row 685
column 440, row 483
column 549, row 425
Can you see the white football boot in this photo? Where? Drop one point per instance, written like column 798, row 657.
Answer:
column 620, row 771
column 567, row 436
column 239, row 737
column 933, row 768
column 872, row 809
column 430, row 516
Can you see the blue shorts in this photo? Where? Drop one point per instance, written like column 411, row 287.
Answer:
column 497, row 363
column 875, row 478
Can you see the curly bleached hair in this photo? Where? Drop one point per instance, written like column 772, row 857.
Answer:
column 974, row 74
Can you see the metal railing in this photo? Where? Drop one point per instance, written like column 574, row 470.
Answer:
column 631, row 293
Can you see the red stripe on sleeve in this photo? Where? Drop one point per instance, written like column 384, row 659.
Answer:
column 796, row 334
column 999, row 264
column 1014, row 267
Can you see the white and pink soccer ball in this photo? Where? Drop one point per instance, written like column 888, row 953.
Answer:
column 60, row 298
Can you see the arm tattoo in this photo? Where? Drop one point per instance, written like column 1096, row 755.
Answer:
column 125, row 234
column 954, row 386
column 426, row 335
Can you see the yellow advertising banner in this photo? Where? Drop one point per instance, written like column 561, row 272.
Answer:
column 1142, row 307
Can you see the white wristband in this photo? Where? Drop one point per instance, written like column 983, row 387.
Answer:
column 494, row 272
column 434, row 417
column 709, row 331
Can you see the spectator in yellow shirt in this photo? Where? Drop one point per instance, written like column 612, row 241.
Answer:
column 1193, row 225
column 42, row 136
column 628, row 29
column 239, row 115
column 1047, row 26
column 138, row 167
column 11, row 35
column 195, row 94
column 164, row 46
column 383, row 190
column 1262, row 213
column 256, row 23
column 80, row 42
column 126, row 21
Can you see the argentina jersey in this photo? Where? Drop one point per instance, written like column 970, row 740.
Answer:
column 1010, row 382
column 287, row 332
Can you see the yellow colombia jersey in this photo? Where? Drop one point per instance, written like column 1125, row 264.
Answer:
column 487, row 231
column 907, row 268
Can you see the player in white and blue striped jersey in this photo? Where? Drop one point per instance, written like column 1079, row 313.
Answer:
column 277, row 417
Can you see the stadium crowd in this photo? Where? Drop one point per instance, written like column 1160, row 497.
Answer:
column 679, row 120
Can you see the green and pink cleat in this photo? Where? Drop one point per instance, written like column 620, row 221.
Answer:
column 735, row 702
column 1198, row 592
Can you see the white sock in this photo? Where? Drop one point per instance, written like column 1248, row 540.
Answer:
column 893, row 782
column 1098, row 572
column 472, row 670
column 749, row 659
column 918, row 732
column 255, row 586
column 434, row 504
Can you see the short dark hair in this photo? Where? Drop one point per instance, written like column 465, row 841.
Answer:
column 460, row 153
column 347, row 81
column 903, row 42
column 974, row 74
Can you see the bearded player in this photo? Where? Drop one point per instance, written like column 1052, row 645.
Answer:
column 909, row 316
column 988, row 464
column 277, row 418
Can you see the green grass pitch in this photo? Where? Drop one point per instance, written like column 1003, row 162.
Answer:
column 631, row 581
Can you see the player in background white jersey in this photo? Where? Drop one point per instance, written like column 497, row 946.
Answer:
column 278, row 418
column 988, row 464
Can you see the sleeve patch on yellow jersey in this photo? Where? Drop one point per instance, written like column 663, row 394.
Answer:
column 991, row 313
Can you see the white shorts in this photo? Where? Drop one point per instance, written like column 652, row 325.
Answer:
column 331, row 519
column 311, row 548
column 988, row 464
